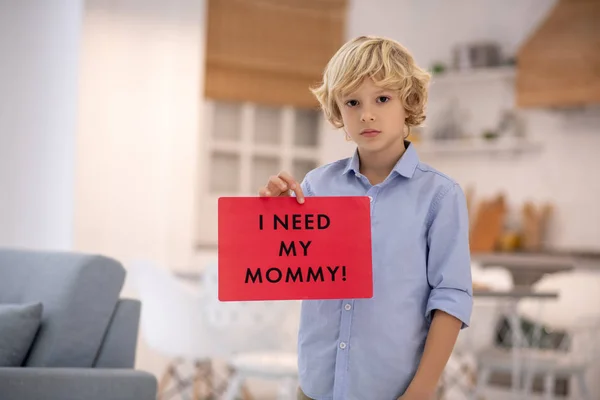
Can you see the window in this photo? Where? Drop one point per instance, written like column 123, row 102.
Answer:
column 244, row 144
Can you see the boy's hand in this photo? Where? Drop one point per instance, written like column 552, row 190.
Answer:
column 281, row 186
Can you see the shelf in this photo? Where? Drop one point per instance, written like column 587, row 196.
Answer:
column 476, row 146
column 474, row 76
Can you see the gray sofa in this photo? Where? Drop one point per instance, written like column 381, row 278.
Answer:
column 65, row 333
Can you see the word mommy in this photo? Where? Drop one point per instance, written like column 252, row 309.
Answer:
column 310, row 274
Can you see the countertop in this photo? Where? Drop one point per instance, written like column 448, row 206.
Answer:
column 558, row 259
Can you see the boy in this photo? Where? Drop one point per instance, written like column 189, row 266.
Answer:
column 396, row 344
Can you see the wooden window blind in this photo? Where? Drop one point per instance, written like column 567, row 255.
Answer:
column 270, row 51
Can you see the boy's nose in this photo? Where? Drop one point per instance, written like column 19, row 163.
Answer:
column 367, row 117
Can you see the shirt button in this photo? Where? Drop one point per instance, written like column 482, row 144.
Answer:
column 342, row 345
column 347, row 307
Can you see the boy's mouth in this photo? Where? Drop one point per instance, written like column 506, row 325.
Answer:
column 370, row 132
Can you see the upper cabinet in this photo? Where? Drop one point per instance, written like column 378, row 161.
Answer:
column 270, row 51
column 559, row 64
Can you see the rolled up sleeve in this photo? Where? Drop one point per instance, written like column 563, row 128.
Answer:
column 448, row 259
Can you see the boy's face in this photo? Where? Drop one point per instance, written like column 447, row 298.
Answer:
column 373, row 116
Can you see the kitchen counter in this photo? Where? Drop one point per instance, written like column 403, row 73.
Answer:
column 528, row 268
column 556, row 257
column 529, row 260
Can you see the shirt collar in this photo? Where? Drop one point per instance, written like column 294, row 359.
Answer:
column 405, row 166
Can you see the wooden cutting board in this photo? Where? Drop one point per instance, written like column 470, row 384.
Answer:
column 535, row 221
column 488, row 225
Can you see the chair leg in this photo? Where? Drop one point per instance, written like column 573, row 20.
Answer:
column 246, row 395
column 549, row 386
column 197, row 384
column 210, row 380
column 200, row 380
column 528, row 385
column 164, row 380
column 236, row 382
column 483, row 378
column 584, row 392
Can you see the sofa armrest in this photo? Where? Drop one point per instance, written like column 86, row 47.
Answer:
column 120, row 342
column 76, row 384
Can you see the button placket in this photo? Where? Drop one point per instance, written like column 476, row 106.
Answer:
column 372, row 194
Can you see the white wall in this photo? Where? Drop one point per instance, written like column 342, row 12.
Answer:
column 563, row 171
column 141, row 70
column 39, row 48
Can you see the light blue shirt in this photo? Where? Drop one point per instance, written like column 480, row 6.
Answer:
column 369, row 349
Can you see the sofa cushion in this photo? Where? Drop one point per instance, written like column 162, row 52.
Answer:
column 18, row 325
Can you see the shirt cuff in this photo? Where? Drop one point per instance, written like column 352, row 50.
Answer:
column 455, row 302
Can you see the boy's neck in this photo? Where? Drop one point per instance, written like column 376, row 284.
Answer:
column 376, row 166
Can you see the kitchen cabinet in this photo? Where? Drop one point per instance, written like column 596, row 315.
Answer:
column 270, row 51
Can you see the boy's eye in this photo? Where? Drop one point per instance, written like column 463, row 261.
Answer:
column 383, row 99
column 352, row 103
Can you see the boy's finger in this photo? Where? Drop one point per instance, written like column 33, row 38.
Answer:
column 289, row 180
column 277, row 186
column 293, row 185
column 299, row 194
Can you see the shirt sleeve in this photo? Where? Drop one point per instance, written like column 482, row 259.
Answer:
column 448, row 258
column 305, row 186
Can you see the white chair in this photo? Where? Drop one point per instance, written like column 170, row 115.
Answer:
column 576, row 312
column 171, row 324
column 460, row 375
column 263, row 335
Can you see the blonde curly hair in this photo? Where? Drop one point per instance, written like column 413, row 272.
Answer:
column 385, row 61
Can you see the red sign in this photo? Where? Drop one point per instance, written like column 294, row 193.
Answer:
column 272, row 248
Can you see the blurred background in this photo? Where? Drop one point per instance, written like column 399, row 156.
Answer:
column 122, row 122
